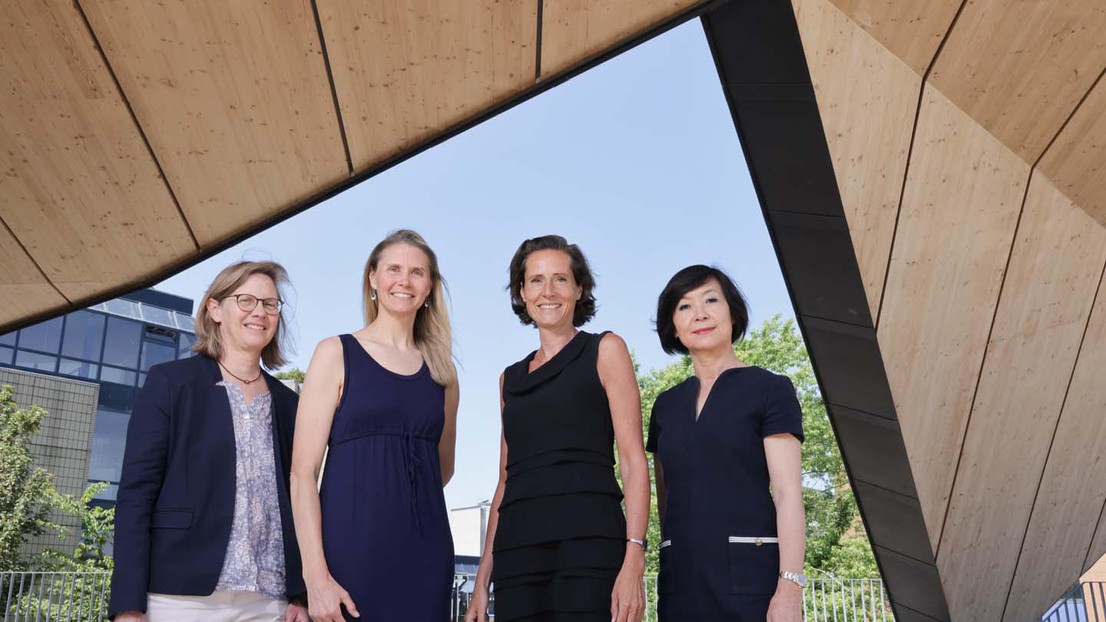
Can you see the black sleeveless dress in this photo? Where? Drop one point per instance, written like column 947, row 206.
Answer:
column 561, row 537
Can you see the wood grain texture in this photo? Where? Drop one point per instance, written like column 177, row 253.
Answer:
column 1073, row 488
column 911, row 29
column 234, row 99
column 963, row 194
column 25, row 291
column 867, row 98
column 1076, row 162
column 575, row 30
column 1020, row 67
column 77, row 185
column 407, row 70
column 1046, row 299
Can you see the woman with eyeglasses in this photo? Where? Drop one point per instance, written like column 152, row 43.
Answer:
column 381, row 403
column 203, row 521
column 726, row 445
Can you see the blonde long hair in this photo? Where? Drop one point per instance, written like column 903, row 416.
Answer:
column 208, row 339
column 433, row 335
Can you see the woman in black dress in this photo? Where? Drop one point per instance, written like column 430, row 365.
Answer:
column 727, row 465
column 558, row 547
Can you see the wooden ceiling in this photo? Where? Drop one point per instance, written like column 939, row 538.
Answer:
column 985, row 287
column 140, row 137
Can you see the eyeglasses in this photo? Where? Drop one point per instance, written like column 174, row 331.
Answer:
column 248, row 302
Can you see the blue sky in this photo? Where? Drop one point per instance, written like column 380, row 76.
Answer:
column 637, row 161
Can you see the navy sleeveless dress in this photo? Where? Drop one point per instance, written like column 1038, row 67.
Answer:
column 385, row 528
column 718, row 503
column 561, row 537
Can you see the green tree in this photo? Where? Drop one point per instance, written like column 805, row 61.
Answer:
column 295, row 373
column 836, row 541
column 26, row 491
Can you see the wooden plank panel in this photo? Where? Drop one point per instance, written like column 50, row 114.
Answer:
column 963, row 193
column 407, row 70
column 77, row 185
column 25, row 291
column 1020, row 68
column 574, row 30
column 1076, row 162
column 234, row 99
column 1046, row 299
column 1073, row 489
column 912, row 29
column 867, row 99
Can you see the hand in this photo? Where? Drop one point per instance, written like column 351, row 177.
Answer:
column 628, row 596
column 478, row 606
column 296, row 612
column 325, row 599
column 787, row 603
column 130, row 616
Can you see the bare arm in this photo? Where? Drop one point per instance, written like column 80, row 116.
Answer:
column 783, row 453
column 477, row 611
column 447, row 447
column 318, row 400
column 616, row 371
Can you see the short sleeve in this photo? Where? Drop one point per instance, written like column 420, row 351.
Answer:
column 654, row 430
column 782, row 413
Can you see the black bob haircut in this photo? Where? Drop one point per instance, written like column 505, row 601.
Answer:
column 686, row 280
column 581, row 273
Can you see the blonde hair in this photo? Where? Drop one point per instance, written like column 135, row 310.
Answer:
column 208, row 339
column 433, row 336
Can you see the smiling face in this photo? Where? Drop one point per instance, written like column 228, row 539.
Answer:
column 702, row 319
column 246, row 331
column 549, row 289
column 402, row 279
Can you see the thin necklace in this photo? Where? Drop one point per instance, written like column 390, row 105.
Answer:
column 239, row 378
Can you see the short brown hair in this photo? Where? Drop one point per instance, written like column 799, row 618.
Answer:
column 208, row 339
column 581, row 273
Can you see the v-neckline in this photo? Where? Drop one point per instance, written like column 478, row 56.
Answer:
column 698, row 412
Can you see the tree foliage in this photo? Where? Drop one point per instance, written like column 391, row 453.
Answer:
column 836, row 541
column 26, row 490
column 295, row 373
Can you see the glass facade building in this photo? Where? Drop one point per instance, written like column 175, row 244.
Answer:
column 114, row 344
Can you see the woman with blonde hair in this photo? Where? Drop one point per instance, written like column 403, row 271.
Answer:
column 382, row 403
column 203, row 523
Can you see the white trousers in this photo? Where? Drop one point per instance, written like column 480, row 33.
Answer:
column 221, row 606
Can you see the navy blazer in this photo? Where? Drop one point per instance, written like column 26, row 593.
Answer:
column 176, row 493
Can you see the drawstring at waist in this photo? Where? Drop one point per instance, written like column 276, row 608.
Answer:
column 411, row 461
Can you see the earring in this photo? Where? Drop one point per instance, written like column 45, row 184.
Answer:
column 372, row 295
column 427, row 303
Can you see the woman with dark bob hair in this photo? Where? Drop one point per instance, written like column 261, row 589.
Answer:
column 727, row 466
column 558, row 546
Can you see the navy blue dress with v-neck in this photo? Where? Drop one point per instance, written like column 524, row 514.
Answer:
column 717, row 497
column 386, row 533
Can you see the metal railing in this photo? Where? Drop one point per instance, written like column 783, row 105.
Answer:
column 83, row 597
column 54, row 596
column 1084, row 602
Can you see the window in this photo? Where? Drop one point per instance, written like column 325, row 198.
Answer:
column 6, row 355
column 36, row 361
column 109, row 438
column 184, row 350
column 154, row 353
column 118, row 376
column 84, row 335
column 82, row 369
column 157, row 315
column 122, row 342
column 44, row 336
column 8, row 339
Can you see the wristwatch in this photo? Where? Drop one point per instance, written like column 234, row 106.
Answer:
column 644, row 542
column 797, row 578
